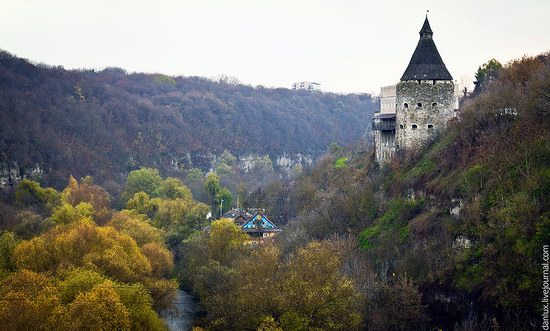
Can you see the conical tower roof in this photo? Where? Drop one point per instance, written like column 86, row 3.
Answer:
column 426, row 63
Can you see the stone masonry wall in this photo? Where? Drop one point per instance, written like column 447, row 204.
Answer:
column 437, row 108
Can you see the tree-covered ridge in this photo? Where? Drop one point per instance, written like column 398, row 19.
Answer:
column 105, row 123
column 459, row 224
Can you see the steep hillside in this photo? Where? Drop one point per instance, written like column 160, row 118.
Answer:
column 460, row 224
column 55, row 122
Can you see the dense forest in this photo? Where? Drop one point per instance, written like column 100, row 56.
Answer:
column 447, row 237
column 71, row 262
column 56, row 122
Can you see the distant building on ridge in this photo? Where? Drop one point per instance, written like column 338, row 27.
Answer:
column 309, row 86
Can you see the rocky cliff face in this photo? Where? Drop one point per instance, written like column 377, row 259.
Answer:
column 11, row 174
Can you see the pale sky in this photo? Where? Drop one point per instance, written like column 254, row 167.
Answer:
column 345, row 45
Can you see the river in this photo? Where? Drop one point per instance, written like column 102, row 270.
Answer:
column 182, row 316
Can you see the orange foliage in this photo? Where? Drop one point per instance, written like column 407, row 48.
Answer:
column 162, row 261
column 85, row 191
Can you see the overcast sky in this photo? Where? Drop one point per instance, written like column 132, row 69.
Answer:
column 346, row 45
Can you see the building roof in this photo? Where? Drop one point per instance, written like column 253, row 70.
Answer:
column 260, row 223
column 426, row 63
column 240, row 220
column 232, row 213
column 385, row 116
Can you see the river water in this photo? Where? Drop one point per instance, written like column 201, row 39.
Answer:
column 183, row 314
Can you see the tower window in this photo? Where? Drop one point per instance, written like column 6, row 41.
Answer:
column 406, row 105
column 414, row 126
column 430, row 126
column 434, row 104
column 433, row 82
column 401, row 126
column 419, row 105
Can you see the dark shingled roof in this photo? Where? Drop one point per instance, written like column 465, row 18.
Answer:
column 426, row 63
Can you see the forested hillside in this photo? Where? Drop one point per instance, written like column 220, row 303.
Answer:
column 447, row 237
column 55, row 122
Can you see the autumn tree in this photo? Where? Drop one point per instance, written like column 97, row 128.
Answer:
column 145, row 180
column 262, row 288
column 30, row 194
column 67, row 213
column 85, row 191
column 192, row 254
column 29, row 224
column 173, row 188
column 260, row 281
column 140, row 305
column 162, row 261
column 486, row 73
column 225, row 240
column 138, row 227
column 29, row 301
column 100, row 308
column 77, row 280
column 84, row 244
column 172, row 213
column 8, row 242
column 319, row 294
column 143, row 204
column 135, row 297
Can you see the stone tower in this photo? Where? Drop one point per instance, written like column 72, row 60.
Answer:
column 425, row 98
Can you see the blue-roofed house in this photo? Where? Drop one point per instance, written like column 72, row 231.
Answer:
column 260, row 226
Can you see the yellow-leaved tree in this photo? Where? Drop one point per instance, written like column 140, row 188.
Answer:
column 28, row 301
column 137, row 226
column 84, row 244
column 225, row 240
column 98, row 309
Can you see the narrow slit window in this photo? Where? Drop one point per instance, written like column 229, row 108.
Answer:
column 406, row 105
column 419, row 105
column 401, row 126
column 430, row 126
column 414, row 126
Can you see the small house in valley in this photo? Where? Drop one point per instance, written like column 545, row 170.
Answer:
column 253, row 221
column 259, row 226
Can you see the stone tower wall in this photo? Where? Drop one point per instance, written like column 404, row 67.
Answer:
column 437, row 108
